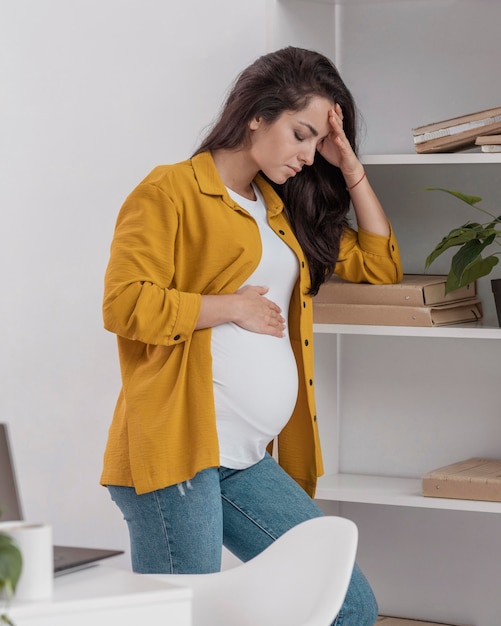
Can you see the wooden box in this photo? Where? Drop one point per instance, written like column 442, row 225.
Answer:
column 473, row 479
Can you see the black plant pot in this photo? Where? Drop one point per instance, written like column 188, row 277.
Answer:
column 496, row 290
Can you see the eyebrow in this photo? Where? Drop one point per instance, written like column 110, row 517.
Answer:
column 311, row 128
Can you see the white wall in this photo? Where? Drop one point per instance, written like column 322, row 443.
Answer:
column 429, row 63
column 94, row 93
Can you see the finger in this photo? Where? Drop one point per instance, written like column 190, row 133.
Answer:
column 277, row 329
column 261, row 289
column 276, row 318
column 336, row 124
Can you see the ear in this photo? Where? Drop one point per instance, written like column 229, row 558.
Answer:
column 255, row 123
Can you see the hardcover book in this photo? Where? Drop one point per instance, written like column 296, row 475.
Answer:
column 491, row 148
column 489, row 143
column 488, row 139
column 456, row 133
column 394, row 315
column 412, row 290
column 473, row 479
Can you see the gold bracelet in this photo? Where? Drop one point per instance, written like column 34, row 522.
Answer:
column 358, row 181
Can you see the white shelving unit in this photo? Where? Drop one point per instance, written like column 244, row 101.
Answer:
column 471, row 330
column 396, row 402
column 393, row 492
column 472, row 158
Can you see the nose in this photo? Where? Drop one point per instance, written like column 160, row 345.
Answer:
column 307, row 155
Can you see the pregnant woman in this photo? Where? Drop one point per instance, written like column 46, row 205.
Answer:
column 209, row 287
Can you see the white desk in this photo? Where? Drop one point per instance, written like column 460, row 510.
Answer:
column 104, row 596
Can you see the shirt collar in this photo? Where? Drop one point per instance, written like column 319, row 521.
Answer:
column 211, row 184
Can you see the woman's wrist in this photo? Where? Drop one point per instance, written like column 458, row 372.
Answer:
column 354, row 175
column 217, row 309
column 349, row 187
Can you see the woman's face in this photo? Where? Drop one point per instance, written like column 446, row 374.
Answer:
column 280, row 149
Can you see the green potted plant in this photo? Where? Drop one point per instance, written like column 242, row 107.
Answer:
column 470, row 263
column 10, row 570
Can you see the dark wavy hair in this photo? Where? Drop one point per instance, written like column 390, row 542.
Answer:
column 316, row 200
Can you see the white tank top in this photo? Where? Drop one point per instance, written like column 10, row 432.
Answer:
column 255, row 375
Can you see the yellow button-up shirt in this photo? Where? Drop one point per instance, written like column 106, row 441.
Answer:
column 179, row 236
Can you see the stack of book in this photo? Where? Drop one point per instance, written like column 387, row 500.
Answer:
column 457, row 133
column 418, row 300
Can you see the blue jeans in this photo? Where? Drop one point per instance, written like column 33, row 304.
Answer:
column 181, row 529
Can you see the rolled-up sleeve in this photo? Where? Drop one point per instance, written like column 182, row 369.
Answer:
column 141, row 302
column 370, row 258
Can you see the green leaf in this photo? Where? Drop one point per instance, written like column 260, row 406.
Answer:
column 471, row 200
column 456, row 237
column 476, row 269
column 452, row 282
column 5, row 620
column 11, row 563
column 492, row 225
column 468, row 254
column 467, row 264
column 480, row 268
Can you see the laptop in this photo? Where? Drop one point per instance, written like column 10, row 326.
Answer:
column 66, row 558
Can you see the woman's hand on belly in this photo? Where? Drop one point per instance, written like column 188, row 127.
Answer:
column 248, row 308
column 256, row 313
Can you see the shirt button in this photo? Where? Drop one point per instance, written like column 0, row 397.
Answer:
column 177, row 337
column 306, row 342
column 281, row 232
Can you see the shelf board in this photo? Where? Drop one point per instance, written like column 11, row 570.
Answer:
column 470, row 158
column 392, row 492
column 353, row 2
column 472, row 330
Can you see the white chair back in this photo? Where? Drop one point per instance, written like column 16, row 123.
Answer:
column 301, row 579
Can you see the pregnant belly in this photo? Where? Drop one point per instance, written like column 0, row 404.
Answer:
column 255, row 377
